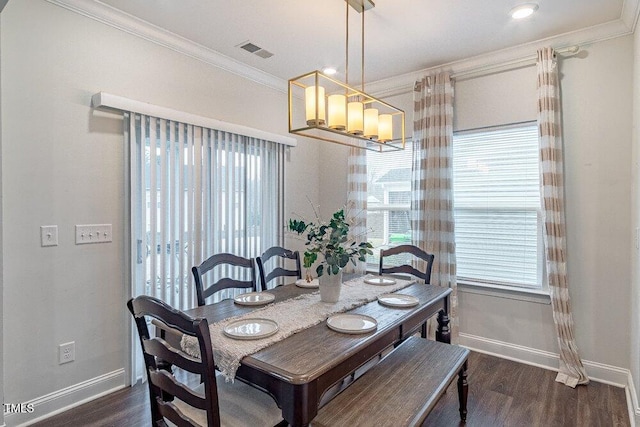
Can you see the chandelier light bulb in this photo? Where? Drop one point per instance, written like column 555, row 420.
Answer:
column 337, row 112
column 311, row 104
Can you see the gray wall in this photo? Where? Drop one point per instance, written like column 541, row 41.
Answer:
column 597, row 122
column 63, row 163
column 635, row 224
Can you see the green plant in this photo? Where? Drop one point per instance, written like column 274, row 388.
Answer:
column 331, row 240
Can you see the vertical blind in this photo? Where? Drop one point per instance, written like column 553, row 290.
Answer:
column 497, row 206
column 196, row 192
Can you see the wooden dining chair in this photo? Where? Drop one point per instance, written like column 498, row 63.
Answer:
column 223, row 259
column 213, row 402
column 406, row 268
column 277, row 253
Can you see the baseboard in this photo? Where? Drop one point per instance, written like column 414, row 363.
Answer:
column 599, row 372
column 67, row 398
column 632, row 402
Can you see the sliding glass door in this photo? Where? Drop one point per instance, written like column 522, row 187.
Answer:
column 195, row 192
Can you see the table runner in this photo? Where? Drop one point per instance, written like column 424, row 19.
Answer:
column 292, row 315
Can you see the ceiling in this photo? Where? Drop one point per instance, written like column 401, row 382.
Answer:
column 401, row 36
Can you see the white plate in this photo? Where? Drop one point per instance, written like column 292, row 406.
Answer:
column 352, row 323
column 254, row 298
column 250, row 329
column 380, row 281
column 398, row 300
column 302, row 283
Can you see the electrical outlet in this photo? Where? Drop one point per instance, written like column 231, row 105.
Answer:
column 67, row 352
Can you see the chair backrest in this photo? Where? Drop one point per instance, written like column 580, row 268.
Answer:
column 161, row 382
column 277, row 251
column 225, row 282
column 405, row 268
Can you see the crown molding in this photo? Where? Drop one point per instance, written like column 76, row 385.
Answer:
column 581, row 38
column 630, row 14
column 396, row 85
column 115, row 18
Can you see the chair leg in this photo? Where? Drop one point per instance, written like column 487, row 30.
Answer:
column 463, row 391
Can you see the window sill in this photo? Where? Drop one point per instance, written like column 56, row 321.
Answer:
column 538, row 296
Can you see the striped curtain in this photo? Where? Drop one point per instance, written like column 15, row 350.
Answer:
column 196, row 192
column 432, row 221
column 356, row 212
column 571, row 371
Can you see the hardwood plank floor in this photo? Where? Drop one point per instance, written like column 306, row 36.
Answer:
column 501, row 393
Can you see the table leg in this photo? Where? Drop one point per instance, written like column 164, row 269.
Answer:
column 443, row 333
column 463, row 391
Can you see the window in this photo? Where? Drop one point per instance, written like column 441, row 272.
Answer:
column 496, row 200
column 497, row 206
column 388, row 200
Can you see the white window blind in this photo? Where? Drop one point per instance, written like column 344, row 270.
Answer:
column 196, row 192
column 497, row 206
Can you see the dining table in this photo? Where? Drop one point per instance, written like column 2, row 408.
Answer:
column 298, row 370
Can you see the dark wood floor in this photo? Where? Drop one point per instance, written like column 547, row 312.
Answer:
column 501, row 393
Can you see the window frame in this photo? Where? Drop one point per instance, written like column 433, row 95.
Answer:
column 511, row 291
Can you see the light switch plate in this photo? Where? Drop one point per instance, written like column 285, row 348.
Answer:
column 93, row 233
column 49, row 235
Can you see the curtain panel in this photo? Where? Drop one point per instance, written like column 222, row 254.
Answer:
column 571, row 371
column 432, row 222
column 356, row 208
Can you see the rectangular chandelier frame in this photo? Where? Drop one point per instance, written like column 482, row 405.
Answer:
column 307, row 117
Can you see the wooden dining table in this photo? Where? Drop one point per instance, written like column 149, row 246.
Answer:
column 298, row 370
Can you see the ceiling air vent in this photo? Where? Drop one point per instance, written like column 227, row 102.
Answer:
column 256, row 50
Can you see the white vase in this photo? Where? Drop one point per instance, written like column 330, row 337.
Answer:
column 330, row 285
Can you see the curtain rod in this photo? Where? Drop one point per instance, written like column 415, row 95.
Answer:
column 509, row 65
column 107, row 100
column 486, row 70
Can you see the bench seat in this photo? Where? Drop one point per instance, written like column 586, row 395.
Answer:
column 402, row 389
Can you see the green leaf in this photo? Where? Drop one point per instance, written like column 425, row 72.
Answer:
column 320, row 270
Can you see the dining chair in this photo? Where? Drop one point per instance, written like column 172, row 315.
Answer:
column 406, row 268
column 277, row 253
column 416, row 252
column 223, row 259
column 213, row 402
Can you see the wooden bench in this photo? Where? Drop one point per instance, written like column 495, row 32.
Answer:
column 402, row 389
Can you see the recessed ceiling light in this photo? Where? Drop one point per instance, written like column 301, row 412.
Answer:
column 329, row 71
column 523, row 11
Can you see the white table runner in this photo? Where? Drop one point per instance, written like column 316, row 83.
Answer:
column 292, row 315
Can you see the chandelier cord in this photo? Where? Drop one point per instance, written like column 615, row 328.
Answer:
column 362, row 66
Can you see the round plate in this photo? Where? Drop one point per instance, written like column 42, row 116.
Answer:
column 398, row 300
column 302, row 283
column 254, row 298
column 352, row 323
column 380, row 281
column 250, row 329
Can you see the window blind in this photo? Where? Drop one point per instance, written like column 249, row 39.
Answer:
column 196, row 192
column 497, row 205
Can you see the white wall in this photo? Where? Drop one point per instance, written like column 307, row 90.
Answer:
column 1, row 250
column 63, row 163
column 597, row 124
column 635, row 224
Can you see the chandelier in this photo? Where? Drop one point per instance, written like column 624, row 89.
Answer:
column 324, row 108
